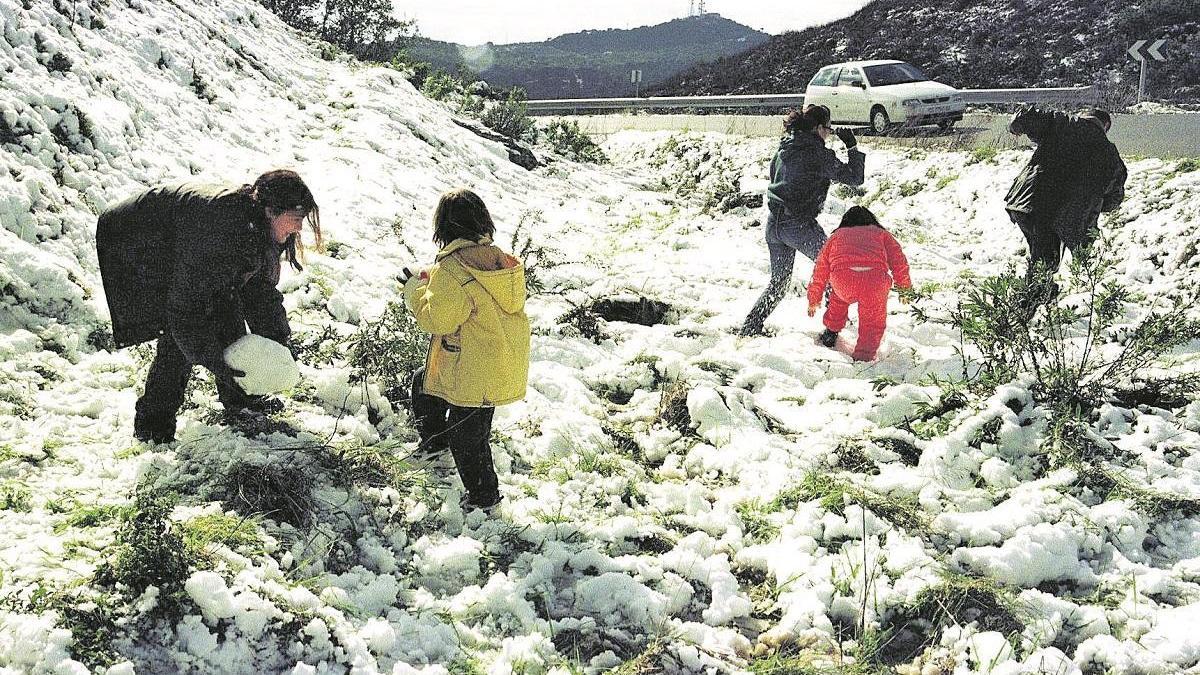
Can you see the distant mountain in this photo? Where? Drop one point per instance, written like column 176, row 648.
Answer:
column 978, row 44
column 595, row 63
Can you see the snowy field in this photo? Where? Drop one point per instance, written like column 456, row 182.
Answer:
column 677, row 499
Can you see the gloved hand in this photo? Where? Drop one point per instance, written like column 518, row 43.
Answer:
column 847, row 137
column 812, row 309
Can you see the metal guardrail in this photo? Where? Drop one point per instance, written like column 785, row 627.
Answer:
column 1076, row 95
column 1071, row 95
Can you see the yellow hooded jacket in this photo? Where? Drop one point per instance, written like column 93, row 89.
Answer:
column 473, row 302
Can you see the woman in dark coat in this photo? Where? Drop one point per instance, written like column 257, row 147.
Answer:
column 1074, row 174
column 194, row 266
column 801, row 174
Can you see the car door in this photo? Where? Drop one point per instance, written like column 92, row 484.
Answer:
column 822, row 87
column 854, row 102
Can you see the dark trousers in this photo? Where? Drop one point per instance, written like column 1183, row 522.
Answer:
column 785, row 236
column 166, row 385
column 1045, row 248
column 465, row 433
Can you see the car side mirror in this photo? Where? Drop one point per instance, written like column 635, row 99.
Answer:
column 861, row 85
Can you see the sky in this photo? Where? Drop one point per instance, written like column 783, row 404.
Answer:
column 473, row 22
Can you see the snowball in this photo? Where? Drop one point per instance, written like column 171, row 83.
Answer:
column 268, row 365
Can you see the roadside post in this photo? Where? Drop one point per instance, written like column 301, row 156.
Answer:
column 1141, row 57
column 635, row 78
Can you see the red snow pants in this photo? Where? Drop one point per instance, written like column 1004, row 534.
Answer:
column 870, row 290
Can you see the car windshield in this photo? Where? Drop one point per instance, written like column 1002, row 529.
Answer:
column 893, row 73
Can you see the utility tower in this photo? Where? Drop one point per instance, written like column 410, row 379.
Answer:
column 695, row 7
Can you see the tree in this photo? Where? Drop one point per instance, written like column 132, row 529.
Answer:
column 362, row 27
column 368, row 29
column 296, row 13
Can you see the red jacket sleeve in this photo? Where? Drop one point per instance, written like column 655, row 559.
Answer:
column 820, row 277
column 897, row 263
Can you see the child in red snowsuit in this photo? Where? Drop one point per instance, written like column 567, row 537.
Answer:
column 856, row 261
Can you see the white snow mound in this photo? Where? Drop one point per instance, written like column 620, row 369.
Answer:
column 268, row 365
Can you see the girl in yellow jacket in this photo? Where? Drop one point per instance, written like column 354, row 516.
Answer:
column 472, row 301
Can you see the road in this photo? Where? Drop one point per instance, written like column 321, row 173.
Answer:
column 1171, row 135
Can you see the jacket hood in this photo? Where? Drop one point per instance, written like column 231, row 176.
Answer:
column 500, row 274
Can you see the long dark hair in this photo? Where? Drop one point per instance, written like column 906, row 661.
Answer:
column 808, row 119
column 857, row 216
column 461, row 214
column 284, row 190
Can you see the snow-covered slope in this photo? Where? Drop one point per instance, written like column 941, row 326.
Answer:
column 661, row 482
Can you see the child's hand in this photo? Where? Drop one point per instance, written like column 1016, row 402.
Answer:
column 812, row 309
column 905, row 294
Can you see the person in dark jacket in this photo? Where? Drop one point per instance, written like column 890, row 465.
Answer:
column 801, row 173
column 194, row 266
column 1074, row 174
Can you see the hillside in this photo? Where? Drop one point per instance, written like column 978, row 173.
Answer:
column 978, row 45
column 676, row 499
column 595, row 63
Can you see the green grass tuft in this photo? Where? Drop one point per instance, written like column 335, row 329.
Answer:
column 833, row 494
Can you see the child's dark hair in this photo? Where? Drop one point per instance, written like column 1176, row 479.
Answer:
column 808, row 119
column 857, row 216
column 461, row 214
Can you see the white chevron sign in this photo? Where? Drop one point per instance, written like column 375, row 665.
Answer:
column 1143, row 58
column 1152, row 51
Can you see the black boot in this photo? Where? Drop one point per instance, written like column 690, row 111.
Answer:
column 828, row 338
column 153, row 430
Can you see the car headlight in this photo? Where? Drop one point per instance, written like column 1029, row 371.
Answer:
column 912, row 102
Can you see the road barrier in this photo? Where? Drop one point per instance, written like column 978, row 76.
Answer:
column 1066, row 95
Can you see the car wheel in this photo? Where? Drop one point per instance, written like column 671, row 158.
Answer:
column 880, row 120
column 946, row 125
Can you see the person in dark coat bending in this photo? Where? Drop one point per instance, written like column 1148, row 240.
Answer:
column 1075, row 173
column 801, row 173
column 195, row 266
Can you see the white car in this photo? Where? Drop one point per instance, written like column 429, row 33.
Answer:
column 882, row 94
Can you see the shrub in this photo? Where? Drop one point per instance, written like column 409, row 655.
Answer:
column 16, row 497
column 567, row 139
column 149, row 551
column 1019, row 327
column 982, row 154
column 848, row 192
column 697, row 172
column 911, row 188
column 584, row 319
column 59, row 63
column 439, row 86
column 388, row 350
column 511, row 118
column 535, row 258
